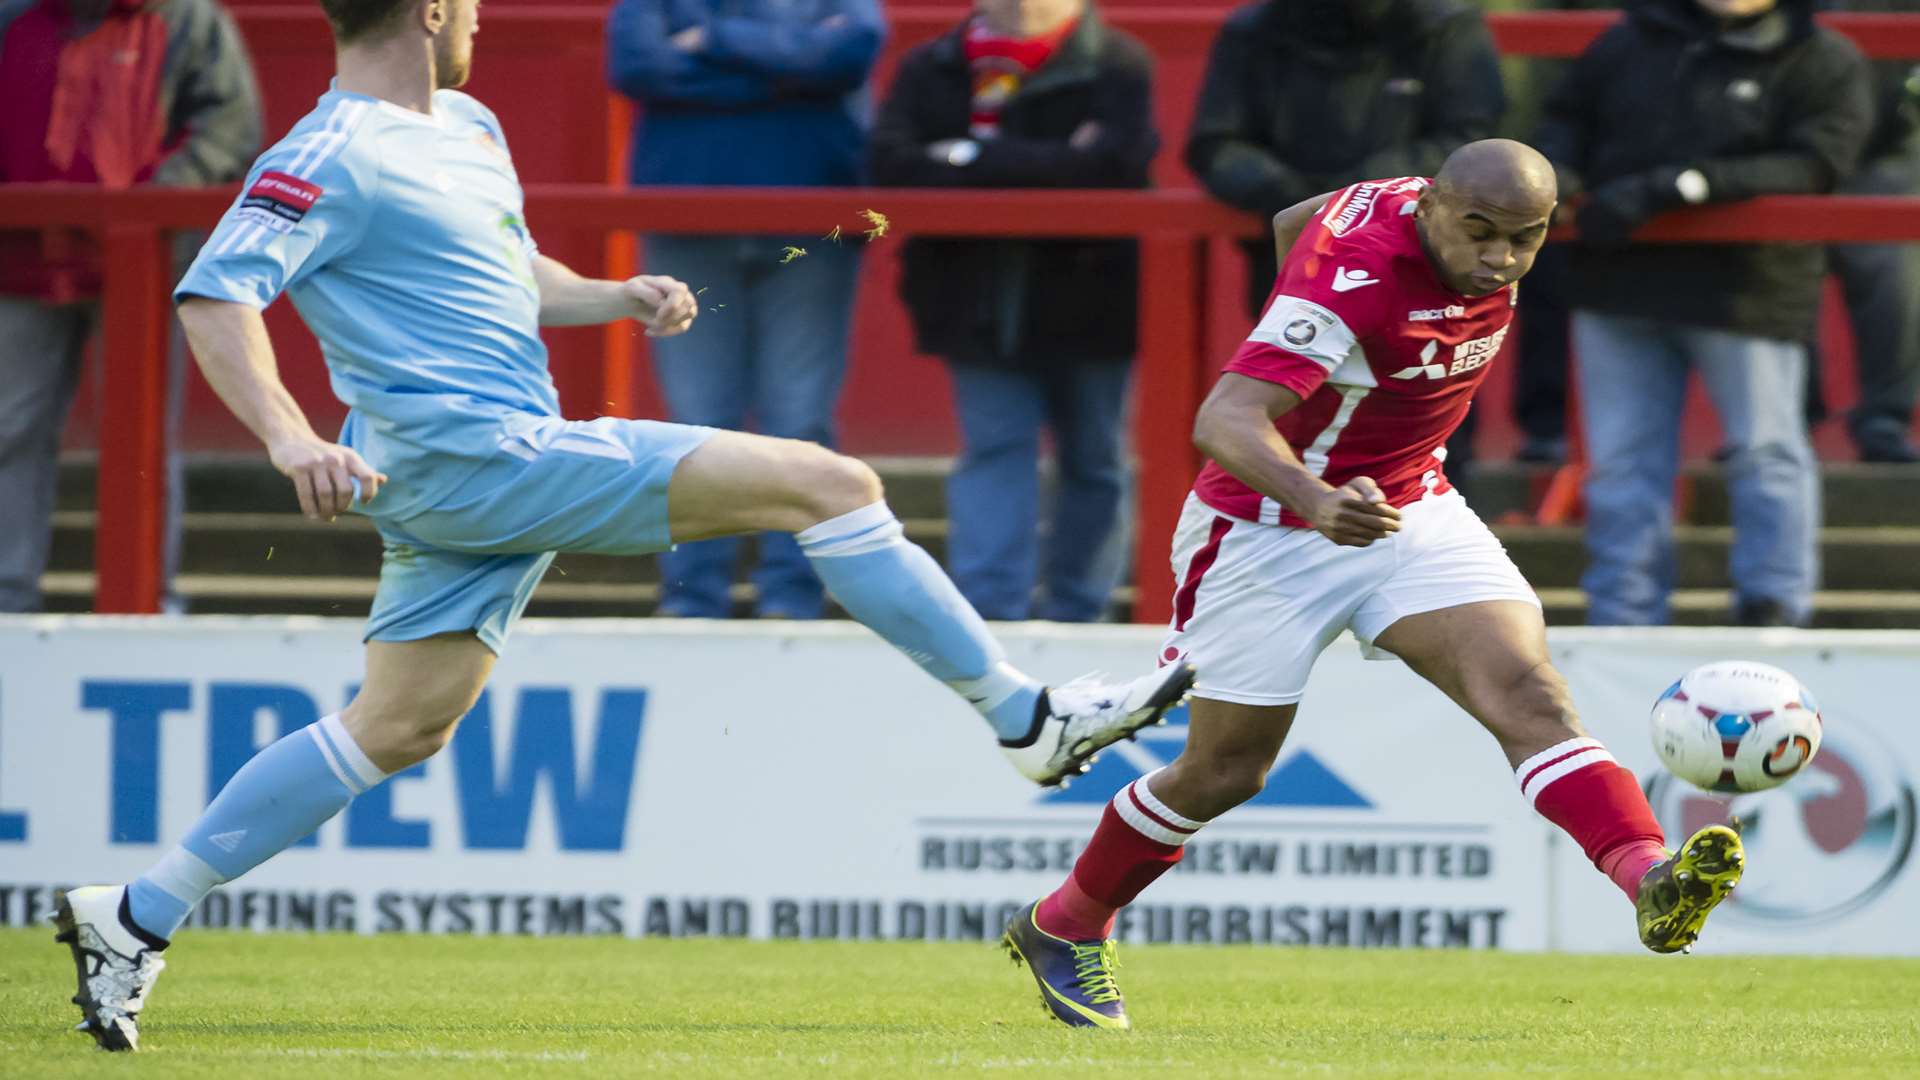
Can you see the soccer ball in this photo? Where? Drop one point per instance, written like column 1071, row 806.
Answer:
column 1736, row 726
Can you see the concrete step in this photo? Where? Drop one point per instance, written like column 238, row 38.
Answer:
column 288, row 545
column 916, row 486
column 1854, row 557
column 1853, row 493
column 557, row 597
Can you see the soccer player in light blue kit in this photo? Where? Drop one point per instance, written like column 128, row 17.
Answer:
column 392, row 216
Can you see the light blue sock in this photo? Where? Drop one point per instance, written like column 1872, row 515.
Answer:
column 897, row 589
column 285, row 792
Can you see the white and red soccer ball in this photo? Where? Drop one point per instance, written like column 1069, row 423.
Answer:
column 1736, row 726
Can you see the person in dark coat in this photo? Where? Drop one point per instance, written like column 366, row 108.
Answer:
column 1307, row 96
column 1881, row 282
column 1037, row 334
column 1687, row 102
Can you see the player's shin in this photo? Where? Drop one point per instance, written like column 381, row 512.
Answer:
column 1578, row 786
column 284, row 793
column 1138, row 839
column 896, row 589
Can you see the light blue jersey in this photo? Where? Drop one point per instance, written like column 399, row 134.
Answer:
column 401, row 239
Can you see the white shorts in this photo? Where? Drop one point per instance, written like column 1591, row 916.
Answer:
column 1255, row 605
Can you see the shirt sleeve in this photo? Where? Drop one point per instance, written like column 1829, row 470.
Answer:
column 1331, row 296
column 305, row 204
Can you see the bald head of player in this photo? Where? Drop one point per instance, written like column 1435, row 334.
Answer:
column 1485, row 216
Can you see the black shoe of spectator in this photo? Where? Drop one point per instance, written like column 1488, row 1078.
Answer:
column 1885, row 443
column 1762, row 613
column 1544, row 450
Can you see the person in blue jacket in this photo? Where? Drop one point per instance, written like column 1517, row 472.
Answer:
column 759, row 93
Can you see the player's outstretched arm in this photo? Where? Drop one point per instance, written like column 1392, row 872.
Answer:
column 230, row 342
column 1235, row 428
column 663, row 305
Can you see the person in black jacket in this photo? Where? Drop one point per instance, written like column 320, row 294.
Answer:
column 1882, row 281
column 1687, row 102
column 1307, row 96
column 1036, row 333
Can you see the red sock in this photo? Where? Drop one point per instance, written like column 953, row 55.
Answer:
column 1578, row 786
column 1138, row 839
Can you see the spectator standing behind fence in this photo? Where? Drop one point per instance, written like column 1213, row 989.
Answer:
column 1307, row 96
column 1881, row 282
column 1689, row 102
column 112, row 93
column 1037, row 334
column 763, row 93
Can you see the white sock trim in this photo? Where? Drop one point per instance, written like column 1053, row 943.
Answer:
column 184, row 876
column 1133, row 811
column 1143, row 787
column 333, row 763
column 1540, row 781
column 991, row 690
column 857, row 532
column 365, row 773
column 1557, row 750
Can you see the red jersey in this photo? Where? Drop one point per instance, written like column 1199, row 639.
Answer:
column 1384, row 357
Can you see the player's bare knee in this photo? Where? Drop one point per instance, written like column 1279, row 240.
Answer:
column 836, row 484
column 1205, row 788
column 399, row 734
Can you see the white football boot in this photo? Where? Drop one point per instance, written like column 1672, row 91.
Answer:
column 1088, row 714
column 115, row 965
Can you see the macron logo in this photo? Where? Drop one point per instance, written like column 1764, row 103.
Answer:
column 1345, row 280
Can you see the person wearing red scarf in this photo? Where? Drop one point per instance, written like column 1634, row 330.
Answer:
column 107, row 92
column 1037, row 335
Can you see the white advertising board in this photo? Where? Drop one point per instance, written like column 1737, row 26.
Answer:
column 668, row 778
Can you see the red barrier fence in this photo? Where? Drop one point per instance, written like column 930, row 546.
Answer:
column 1175, row 229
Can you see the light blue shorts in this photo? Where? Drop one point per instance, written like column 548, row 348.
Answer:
column 472, row 561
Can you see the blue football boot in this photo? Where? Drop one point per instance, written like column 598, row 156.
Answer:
column 1075, row 977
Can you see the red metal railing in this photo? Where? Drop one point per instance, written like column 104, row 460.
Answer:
column 1174, row 228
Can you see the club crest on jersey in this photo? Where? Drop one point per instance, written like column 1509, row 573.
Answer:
column 278, row 201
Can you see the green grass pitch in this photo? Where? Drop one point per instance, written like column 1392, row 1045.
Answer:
column 344, row 1006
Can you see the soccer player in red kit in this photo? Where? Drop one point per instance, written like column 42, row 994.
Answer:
column 1325, row 508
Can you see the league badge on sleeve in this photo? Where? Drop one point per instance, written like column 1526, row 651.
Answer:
column 278, row 201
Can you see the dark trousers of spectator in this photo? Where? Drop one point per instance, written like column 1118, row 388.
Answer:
column 42, row 347
column 1881, row 283
column 994, row 530
column 1540, row 382
column 770, row 349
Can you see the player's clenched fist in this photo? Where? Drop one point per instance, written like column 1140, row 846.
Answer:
column 323, row 475
column 1354, row 514
column 664, row 305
